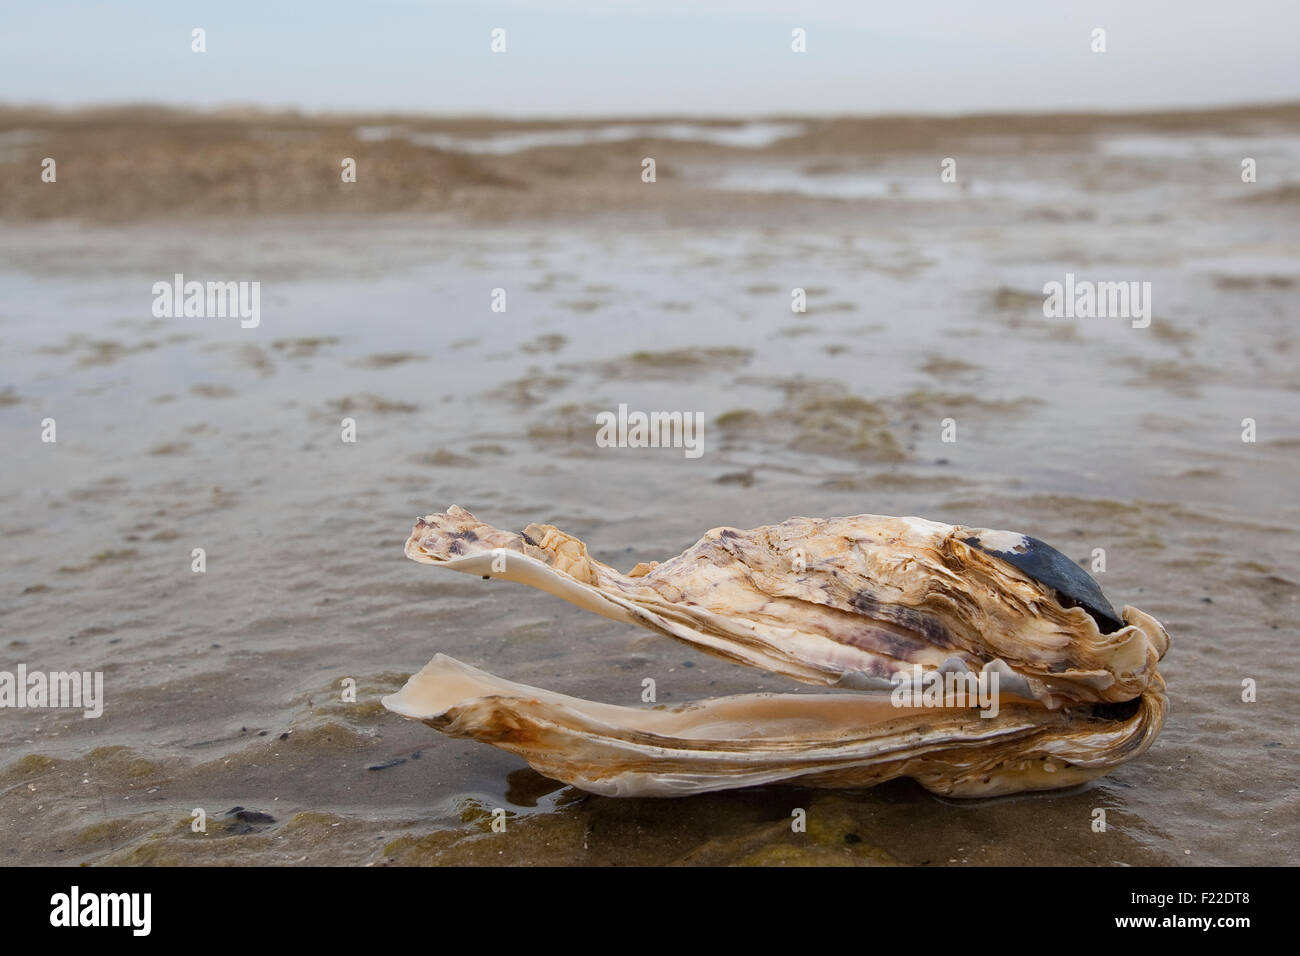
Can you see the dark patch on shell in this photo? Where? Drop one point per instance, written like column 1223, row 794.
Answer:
column 1074, row 587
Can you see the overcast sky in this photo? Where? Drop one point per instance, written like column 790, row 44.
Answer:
column 639, row 57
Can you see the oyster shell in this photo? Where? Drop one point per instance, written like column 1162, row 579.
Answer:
column 847, row 603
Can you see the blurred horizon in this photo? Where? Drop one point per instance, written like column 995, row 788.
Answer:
column 236, row 110
column 711, row 58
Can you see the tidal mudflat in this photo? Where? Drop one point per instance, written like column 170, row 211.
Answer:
column 224, row 689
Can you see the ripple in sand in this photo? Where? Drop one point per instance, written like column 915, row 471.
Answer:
column 529, row 390
column 942, row 367
column 676, row 363
column 370, row 403
column 1253, row 283
column 209, row 390
column 551, row 342
column 583, row 305
column 1008, row 298
column 389, row 359
column 818, row 418
column 442, row 458
column 90, row 352
column 942, row 404
column 1175, row 375
column 305, row 347
column 571, row 425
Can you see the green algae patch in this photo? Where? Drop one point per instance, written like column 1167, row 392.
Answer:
column 1008, row 298
column 30, row 766
column 479, row 816
column 366, row 709
column 790, row 855
column 418, row 851
column 140, row 769
column 553, row 839
column 834, row 834
column 107, row 834
column 106, row 753
column 738, row 418
column 124, row 763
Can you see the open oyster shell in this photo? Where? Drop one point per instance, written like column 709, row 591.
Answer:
column 849, row 603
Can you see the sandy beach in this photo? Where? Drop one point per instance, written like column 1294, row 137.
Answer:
column 924, row 303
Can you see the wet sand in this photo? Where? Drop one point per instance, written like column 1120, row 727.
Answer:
column 924, row 303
